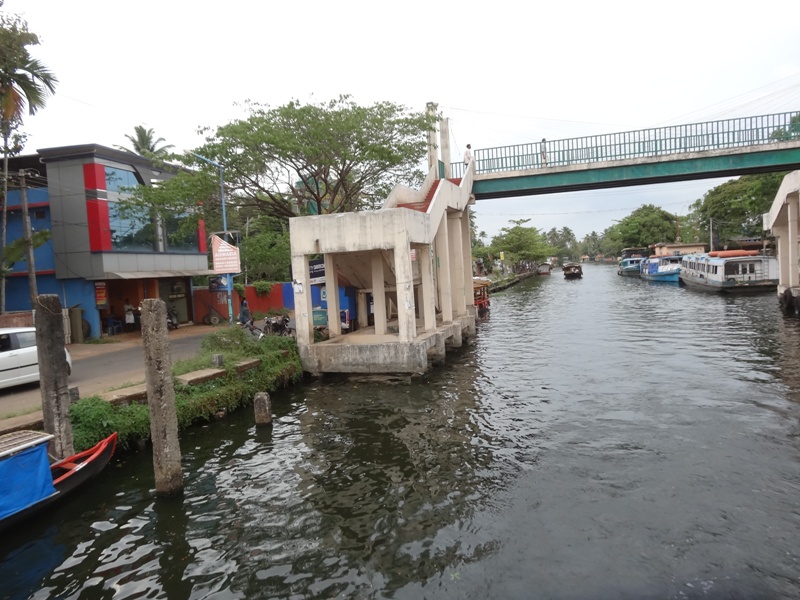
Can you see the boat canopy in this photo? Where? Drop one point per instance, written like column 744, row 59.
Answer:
column 25, row 476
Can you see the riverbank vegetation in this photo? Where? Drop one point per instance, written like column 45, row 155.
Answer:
column 94, row 418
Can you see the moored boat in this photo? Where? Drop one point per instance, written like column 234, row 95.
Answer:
column 572, row 270
column 661, row 268
column 480, row 294
column 629, row 262
column 544, row 268
column 730, row 271
column 29, row 484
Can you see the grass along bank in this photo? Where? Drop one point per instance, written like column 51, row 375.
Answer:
column 94, row 418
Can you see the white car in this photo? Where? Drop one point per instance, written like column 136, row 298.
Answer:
column 19, row 358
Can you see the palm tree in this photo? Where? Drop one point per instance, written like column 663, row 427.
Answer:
column 24, row 83
column 144, row 145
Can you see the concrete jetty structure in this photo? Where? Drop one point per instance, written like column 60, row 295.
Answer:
column 783, row 222
column 412, row 257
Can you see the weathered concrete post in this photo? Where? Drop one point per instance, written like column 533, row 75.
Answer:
column 53, row 373
column 161, row 398
column 263, row 409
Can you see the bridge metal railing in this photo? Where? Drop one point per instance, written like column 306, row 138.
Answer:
column 644, row 143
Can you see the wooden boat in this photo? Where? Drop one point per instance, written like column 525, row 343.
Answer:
column 572, row 270
column 544, row 268
column 29, row 483
column 736, row 271
column 661, row 268
column 629, row 262
column 480, row 293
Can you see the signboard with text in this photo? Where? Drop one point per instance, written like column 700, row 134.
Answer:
column 316, row 271
column 225, row 256
column 100, row 295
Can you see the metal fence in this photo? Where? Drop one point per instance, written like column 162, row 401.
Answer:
column 644, row 143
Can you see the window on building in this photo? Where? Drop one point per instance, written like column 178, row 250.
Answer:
column 118, row 179
column 181, row 232
column 131, row 232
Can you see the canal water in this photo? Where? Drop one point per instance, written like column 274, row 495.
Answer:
column 601, row 438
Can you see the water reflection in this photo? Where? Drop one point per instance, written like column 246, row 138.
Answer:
column 602, row 436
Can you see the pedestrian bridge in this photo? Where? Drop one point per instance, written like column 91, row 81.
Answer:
column 723, row 148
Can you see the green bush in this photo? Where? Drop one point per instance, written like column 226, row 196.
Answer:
column 263, row 288
column 94, row 418
column 240, row 290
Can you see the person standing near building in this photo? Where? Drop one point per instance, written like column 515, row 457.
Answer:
column 130, row 319
column 467, row 156
column 244, row 313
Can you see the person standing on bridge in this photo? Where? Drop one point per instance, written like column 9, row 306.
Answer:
column 544, row 152
column 467, row 156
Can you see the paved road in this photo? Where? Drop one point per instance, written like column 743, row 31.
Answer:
column 99, row 367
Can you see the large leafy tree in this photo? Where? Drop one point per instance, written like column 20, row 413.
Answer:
column 144, row 143
column 521, row 244
column 319, row 158
column 734, row 209
column 647, row 225
column 25, row 84
column 265, row 250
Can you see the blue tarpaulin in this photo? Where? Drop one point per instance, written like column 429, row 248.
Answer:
column 24, row 480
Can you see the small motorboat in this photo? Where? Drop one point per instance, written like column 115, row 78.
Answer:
column 572, row 270
column 29, row 483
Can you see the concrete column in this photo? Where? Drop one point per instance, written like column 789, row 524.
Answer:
column 431, row 109
column 262, row 406
column 425, row 258
column 792, row 214
column 363, row 309
column 378, row 294
column 782, row 241
column 466, row 255
column 332, row 292
column 406, row 319
column 161, row 398
column 456, row 265
column 443, row 271
column 53, row 382
column 444, row 145
column 303, row 309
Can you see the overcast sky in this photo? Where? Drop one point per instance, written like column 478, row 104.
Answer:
column 503, row 73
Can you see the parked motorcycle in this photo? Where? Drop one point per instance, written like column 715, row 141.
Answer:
column 253, row 329
column 278, row 325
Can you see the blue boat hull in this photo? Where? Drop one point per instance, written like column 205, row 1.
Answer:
column 664, row 277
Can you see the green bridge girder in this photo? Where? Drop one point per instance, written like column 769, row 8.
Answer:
column 701, row 165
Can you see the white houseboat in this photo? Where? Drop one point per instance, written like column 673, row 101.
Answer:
column 730, row 271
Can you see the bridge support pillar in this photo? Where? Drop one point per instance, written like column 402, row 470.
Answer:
column 456, row 264
column 792, row 212
column 378, row 294
column 303, row 313
column 425, row 258
column 406, row 311
column 443, row 272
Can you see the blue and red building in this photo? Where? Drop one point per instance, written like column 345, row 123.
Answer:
column 99, row 256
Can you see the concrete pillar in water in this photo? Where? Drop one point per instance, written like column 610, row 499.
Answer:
column 442, row 247
column 53, row 374
column 792, row 216
column 378, row 294
column 425, row 258
column 332, row 293
column 406, row 317
column 161, row 398
column 457, row 265
column 263, row 409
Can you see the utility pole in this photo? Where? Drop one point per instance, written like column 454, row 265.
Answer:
column 711, row 235
column 26, row 225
